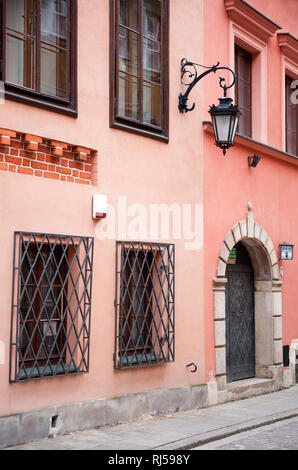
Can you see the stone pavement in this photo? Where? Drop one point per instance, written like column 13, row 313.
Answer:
column 183, row 430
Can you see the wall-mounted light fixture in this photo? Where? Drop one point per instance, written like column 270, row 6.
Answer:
column 224, row 116
column 254, row 160
column 286, row 251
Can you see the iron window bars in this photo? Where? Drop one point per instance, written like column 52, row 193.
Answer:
column 144, row 304
column 51, row 305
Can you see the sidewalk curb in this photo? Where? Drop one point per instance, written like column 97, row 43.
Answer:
column 199, row 439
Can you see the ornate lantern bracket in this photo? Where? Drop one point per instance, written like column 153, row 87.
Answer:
column 190, row 69
column 224, row 116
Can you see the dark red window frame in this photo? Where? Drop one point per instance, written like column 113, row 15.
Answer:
column 129, row 124
column 32, row 96
column 291, row 120
column 244, row 90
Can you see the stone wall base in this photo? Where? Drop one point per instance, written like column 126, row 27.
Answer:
column 50, row 422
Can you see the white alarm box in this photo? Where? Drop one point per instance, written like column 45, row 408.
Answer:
column 99, row 209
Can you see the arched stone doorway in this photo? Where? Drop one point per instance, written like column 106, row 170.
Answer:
column 267, row 301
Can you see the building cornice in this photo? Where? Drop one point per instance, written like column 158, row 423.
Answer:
column 250, row 19
column 288, row 45
column 257, row 147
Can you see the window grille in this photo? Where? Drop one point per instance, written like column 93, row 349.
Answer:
column 144, row 304
column 51, row 305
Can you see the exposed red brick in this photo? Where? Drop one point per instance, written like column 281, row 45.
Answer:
column 31, row 146
column 27, row 154
column 57, row 152
column 4, row 140
column 32, row 138
column 64, row 171
column 81, row 156
column 64, row 162
column 77, row 180
column 54, row 160
column 85, row 175
column 16, row 144
column 77, row 165
column 40, row 156
column 8, row 132
column 51, row 175
column 39, row 165
column 67, row 154
column 43, row 148
column 26, row 162
column 56, row 143
column 25, row 171
column 79, row 149
column 15, row 160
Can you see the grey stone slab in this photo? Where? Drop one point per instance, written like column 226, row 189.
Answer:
column 80, row 416
column 169, row 400
column 36, row 425
column 9, row 431
column 126, row 408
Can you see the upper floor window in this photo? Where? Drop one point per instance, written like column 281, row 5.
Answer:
column 139, row 66
column 243, row 69
column 291, row 120
column 38, row 52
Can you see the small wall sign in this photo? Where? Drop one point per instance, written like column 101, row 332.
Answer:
column 286, row 251
column 232, row 256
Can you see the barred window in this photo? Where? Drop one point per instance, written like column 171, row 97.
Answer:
column 50, row 324
column 144, row 304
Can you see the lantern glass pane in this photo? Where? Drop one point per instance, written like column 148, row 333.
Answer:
column 234, row 127
column 223, row 127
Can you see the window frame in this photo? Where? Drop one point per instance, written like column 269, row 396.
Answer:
column 32, row 97
column 238, row 51
column 289, row 79
column 129, row 124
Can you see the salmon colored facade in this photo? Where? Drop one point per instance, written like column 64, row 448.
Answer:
column 51, row 165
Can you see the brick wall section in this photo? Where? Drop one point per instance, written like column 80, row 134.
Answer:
column 43, row 157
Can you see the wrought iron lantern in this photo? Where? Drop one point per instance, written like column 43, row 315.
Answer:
column 286, row 251
column 224, row 116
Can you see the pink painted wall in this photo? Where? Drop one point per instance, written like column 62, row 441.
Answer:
column 145, row 171
column 228, row 182
column 189, row 169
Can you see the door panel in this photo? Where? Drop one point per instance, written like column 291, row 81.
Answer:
column 240, row 326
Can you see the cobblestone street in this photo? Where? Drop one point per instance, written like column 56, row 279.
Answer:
column 278, row 436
